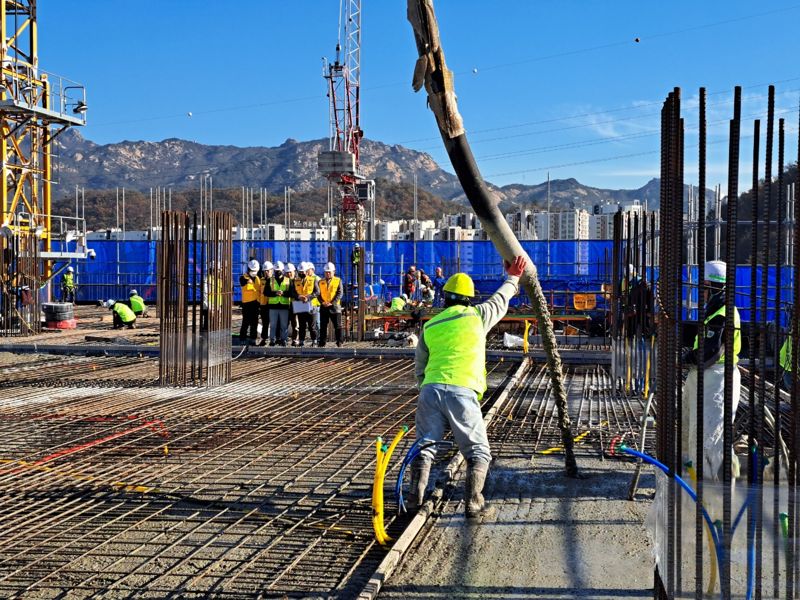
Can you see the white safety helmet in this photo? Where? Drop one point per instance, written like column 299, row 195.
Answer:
column 279, row 266
column 304, row 266
column 356, row 245
column 310, row 266
column 290, row 268
column 132, row 293
column 329, row 268
column 404, row 297
column 70, row 270
column 253, row 266
column 110, row 303
column 268, row 266
column 716, row 271
column 631, row 271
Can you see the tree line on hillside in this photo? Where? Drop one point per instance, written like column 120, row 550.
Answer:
column 103, row 207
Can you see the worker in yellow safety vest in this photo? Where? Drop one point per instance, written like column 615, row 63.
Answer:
column 251, row 293
column 136, row 302
column 315, row 305
column 278, row 291
column 212, row 294
column 68, row 286
column 713, row 364
column 306, row 290
column 785, row 360
column 123, row 315
column 263, row 301
column 330, row 298
column 451, row 373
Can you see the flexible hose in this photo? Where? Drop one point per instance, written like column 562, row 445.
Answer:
column 383, row 455
column 413, row 452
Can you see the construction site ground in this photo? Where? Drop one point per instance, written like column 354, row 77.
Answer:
column 113, row 486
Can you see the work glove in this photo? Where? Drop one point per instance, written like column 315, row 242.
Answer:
column 516, row 268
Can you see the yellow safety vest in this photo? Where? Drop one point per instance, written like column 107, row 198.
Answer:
column 315, row 301
column 68, row 281
column 137, row 303
column 214, row 292
column 327, row 289
column 124, row 312
column 304, row 286
column 737, row 334
column 786, row 355
column 397, row 303
column 251, row 291
column 456, row 344
column 282, row 287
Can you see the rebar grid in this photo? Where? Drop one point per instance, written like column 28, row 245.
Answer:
column 528, row 421
column 259, row 486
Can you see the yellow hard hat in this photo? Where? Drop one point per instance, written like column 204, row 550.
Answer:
column 460, row 284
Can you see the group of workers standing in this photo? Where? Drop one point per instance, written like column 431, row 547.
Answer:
column 282, row 296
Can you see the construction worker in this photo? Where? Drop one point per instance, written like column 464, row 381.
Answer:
column 212, row 293
column 330, row 297
column 136, row 303
column 123, row 315
column 263, row 302
column 251, row 291
column 68, row 286
column 315, row 304
column 451, row 374
column 410, row 281
column 438, row 283
column 398, row 303
column 713, row 365
column 306, row 289
column 278, row 291
column 294, row 326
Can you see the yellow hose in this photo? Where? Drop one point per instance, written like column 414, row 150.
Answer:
column 712, row 576
column 382, row 462
column 628, row 361
column 525, row 336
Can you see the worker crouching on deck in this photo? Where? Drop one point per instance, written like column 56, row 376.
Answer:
column 451, row 373
column 713, row 365
column 123, row 315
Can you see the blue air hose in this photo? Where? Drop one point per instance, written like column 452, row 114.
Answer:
column 413, row 452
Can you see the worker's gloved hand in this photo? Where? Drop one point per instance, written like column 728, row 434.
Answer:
column 516, row 268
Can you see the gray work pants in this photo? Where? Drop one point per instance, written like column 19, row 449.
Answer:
column 278, row 324
column 442, row 405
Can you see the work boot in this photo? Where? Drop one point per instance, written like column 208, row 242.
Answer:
column 476, row 507
column 419, row 483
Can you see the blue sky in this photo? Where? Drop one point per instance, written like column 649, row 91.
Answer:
column 560, row 86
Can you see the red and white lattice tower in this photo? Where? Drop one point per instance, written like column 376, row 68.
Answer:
column 348, row 192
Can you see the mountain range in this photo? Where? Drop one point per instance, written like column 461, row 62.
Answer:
column 140, row 165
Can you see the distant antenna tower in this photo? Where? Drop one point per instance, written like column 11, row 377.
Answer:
column 340, row 163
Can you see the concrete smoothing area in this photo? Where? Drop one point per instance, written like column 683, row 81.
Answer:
column 552, row 537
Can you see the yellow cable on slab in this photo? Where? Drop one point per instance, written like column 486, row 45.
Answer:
column 525, row 336
column 577, row 439
column 382, row 462
column 712, row 576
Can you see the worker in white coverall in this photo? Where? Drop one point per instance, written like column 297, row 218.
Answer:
column 713, row 364
column 451, row 373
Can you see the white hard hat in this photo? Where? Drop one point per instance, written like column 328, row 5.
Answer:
column 304, row 266
column 356, row 245
column 310, row 265
column 329, row 268
column 110, row 303
column 268, row 266
column 132, row 293
column 70, row 269
column 278, row 266
column 404, row 297
column 716, row 271
column 253, row 265
column 289, row 267
column 631, row 270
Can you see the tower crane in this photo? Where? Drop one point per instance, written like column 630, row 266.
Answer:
column 349, row 191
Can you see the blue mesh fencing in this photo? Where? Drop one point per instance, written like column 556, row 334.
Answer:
column 564, row 267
